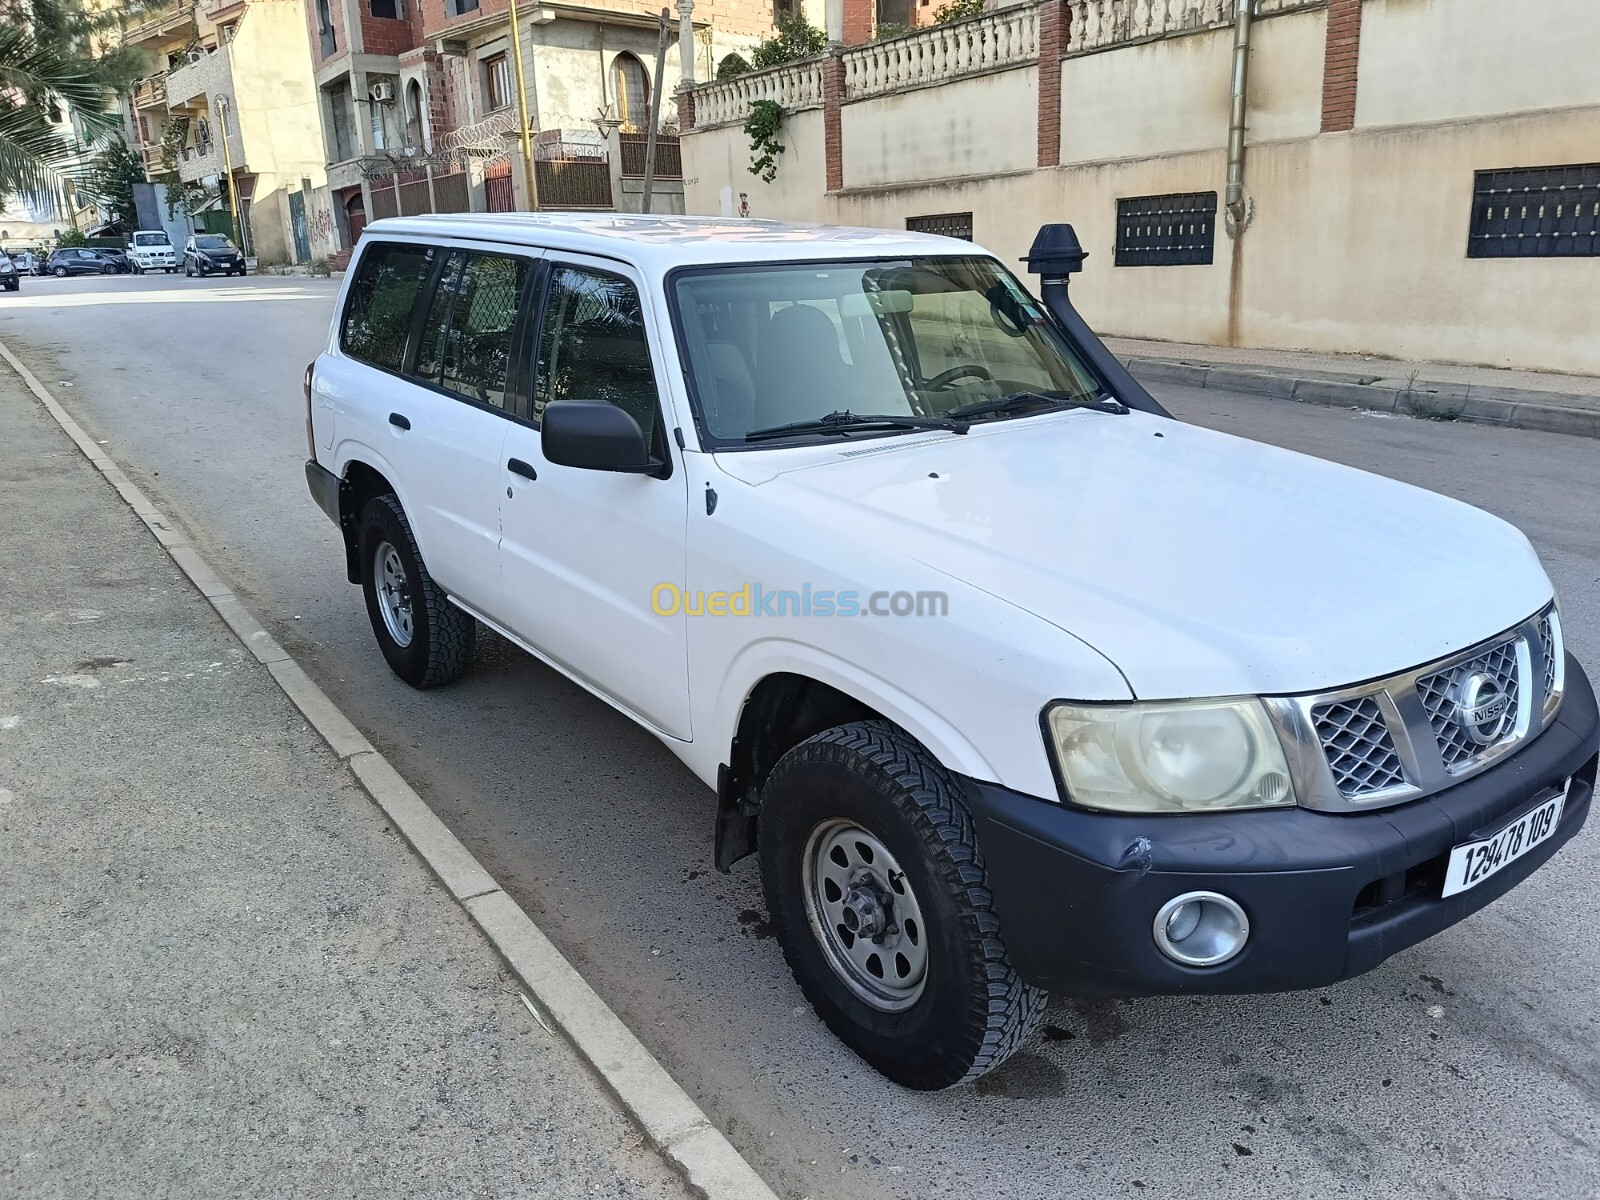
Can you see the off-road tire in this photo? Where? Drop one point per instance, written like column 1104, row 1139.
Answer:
column 442, row 635
column 974, row 1011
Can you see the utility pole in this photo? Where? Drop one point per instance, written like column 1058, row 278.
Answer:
column 530, row 176
column 655, row 111
column 224, row 105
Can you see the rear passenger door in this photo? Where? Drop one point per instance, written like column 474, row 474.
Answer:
column 582, row 551
column 444, row 397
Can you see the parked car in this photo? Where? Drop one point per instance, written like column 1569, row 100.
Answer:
column 10, row 277
column 118, row 258
column 1014, row 683
column 77, row 260
column 151, row 250
column 210, row 253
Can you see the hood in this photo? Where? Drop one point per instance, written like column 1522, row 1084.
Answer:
column 1201, row 564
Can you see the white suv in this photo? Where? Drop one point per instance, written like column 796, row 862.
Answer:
column 151, row 250
column 1014, row 683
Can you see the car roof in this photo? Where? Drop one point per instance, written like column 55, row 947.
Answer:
column 657, row 244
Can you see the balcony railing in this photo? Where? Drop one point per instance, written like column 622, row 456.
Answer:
column 150, row 93
column 1099, row 24
column 793, row 86
column 166, row 21
column 1008, row 37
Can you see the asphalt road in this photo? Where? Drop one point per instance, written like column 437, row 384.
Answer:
column 1467, row 1066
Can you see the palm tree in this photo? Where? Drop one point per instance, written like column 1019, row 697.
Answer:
column 58, row 87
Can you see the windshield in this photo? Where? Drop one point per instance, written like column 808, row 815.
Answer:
column 776, row 344
column 151, row 239
column 212, row 241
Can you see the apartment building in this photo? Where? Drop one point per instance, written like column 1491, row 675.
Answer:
column 419, row 112
column 229, row 106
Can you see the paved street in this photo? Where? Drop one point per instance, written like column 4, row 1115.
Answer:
column 1465, row 1067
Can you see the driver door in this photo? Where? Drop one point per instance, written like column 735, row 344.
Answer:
column 582, row 551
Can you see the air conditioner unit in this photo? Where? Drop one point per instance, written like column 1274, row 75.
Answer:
column 382, row 92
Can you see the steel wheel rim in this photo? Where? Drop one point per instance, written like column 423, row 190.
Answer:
column 394, row 593
column 851, row 881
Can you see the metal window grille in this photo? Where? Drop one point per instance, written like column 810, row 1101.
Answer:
column 953, row 225
column 1536, row 212
column 496, row 82
column 1166, row 231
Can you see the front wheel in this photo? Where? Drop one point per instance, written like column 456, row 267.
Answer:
column 426, row 640
column 878, row 894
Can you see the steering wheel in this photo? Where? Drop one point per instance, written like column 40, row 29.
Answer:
column 945, row 378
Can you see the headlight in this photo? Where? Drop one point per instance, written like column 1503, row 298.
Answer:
column 1189, row 756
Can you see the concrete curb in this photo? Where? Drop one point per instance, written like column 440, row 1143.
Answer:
column 673, row 1122
column 1515, row 408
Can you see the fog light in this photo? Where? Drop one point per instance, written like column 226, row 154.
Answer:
column 1201, row 929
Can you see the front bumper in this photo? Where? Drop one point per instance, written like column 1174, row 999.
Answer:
column 1328, row 895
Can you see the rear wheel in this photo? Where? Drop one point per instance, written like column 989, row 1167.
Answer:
column 878, row 894
column 426, row 640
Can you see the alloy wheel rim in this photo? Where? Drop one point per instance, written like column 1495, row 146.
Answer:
column 865, row 915
column 394, row 593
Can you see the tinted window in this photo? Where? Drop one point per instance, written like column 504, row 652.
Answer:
column 466, row 342
column 593, row 345
column 377, row 317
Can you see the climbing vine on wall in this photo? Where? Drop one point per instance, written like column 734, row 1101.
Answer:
column 762, row 126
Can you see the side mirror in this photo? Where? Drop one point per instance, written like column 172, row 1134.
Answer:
column 594, row 435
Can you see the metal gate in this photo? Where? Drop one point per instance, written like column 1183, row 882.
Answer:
column 297, row 222
column 499, row 192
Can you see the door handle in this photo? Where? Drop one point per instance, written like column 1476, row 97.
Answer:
column 517, row 467
column 399, row 421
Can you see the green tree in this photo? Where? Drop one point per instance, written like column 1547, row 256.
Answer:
column 61, row 71
column 111, row 178
column 796, row 39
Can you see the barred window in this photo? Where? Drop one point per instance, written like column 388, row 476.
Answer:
column 1536, row 212
column 955, row 225
column 1166, row 231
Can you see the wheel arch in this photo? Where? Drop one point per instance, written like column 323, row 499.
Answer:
column 359, row 483
column 782, row 707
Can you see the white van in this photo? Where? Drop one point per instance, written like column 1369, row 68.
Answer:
column 151, row 250
column 1014, row 683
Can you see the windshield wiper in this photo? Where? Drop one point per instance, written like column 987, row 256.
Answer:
column 1018, row 401
column 846, row 422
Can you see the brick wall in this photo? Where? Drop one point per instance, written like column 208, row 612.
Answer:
column 1339, row 65
column 860, row 16
column 314, row 27
column 1053, row 30
column 832, row 123
column 382, row 35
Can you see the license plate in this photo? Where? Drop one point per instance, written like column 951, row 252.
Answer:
column 1473, row 862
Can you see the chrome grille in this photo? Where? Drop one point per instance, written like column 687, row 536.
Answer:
column 1360, row 751
column 1406, row 735
column 1439, row 693
column 1547, row 641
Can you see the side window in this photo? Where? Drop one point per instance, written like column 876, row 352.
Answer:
column 377, row 316
column 466, row 341
column 593, row 346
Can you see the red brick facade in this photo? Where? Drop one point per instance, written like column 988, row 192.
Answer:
column 832, row 123
column 1054, row 28
column 685, row 111
column 1339, row 65
column 860, row 17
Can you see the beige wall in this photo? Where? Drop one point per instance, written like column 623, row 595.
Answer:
column 940, row 132
column 1358, row 240
column 1437, row 60
column 716, row 170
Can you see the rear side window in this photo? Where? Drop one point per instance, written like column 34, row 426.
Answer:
column 377, row 316
column 466, row 342
column 593, row 346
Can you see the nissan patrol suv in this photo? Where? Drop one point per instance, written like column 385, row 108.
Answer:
column 1014, row 683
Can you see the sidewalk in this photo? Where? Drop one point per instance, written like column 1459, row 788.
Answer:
column 222, row 973
column 1442, row 391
